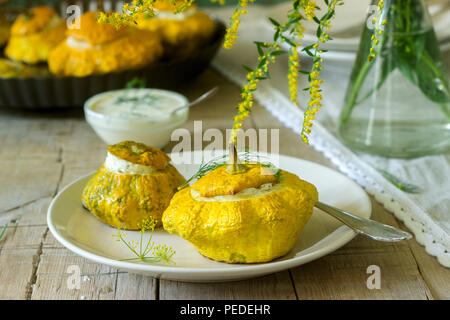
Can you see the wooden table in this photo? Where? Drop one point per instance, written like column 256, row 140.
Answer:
column 42, row 152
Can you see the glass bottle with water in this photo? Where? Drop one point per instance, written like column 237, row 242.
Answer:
column 397, row 103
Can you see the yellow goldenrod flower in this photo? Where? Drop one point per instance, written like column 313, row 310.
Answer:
column 374, row 38
column 309, row 7
column 314, row 85
column 232, row 30
column 137, row 7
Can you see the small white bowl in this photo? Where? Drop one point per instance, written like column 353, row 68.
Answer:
column 151, row 130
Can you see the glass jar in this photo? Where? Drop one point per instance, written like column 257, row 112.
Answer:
column 397, row 105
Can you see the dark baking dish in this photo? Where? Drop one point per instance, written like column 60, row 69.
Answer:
column 43, row 92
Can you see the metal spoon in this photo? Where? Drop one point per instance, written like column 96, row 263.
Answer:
column 202, row 98
column 369, row 228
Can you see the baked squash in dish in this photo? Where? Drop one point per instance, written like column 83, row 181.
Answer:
column 182, row 33
column 97, row 48
column 250, row 217
column 136, row 182
column 5, row 28
column 34, row 34
column 17, row 69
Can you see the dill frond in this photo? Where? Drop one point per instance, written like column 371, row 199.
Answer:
column 406, row 187
column 146, row 250
column 247, row 158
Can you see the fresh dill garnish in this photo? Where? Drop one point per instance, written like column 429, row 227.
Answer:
column 146, row 250
column 2, row 233
column 407, row 187
column 247, row 158
column 136, row 83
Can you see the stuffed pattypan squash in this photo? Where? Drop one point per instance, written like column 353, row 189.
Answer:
column 97, row 48
column 135, row 183
column 249, row 217
column 34, row 34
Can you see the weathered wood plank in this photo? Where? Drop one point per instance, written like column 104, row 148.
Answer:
column 20, row 251
column 30, row 174
column 277, row 286
column 136, row 287
column 435, row 275
column 26, row 182
column 65, row 275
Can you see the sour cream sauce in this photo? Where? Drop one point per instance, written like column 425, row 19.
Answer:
column 136, row 104
column 142, row 115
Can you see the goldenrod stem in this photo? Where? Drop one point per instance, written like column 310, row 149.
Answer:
column 232, row 153
column 234, row 167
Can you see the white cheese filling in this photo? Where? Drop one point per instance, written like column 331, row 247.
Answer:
column 242, row 195
column 119, row 166
column 78, row 44
column 169, row 15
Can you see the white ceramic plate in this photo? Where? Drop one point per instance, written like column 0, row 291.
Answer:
column 78, row 230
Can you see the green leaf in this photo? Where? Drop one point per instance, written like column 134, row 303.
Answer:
column 431, row 81
column 406, row 70
column 319, row 32
column 247, row 68
column 294, row 20
column 308, row 52
column 276, row 35
column 288, row 41
column 279, row 52
column 260, row 50
column 274, row 22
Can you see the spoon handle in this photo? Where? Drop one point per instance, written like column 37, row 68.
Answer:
column 369, row 228
column 202, row 98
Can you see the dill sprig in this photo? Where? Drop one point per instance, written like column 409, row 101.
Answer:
column 146, row 250
column 2, row 233
column 136, row 83
column 246, row 157
column 407, row 187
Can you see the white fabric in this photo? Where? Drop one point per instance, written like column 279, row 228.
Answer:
column 426, row 214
